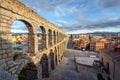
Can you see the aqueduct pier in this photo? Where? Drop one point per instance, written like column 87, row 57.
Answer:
column 38, row 64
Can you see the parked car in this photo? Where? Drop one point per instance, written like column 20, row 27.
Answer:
column 96, row 63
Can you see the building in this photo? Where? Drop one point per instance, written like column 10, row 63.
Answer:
column 99, row 45
column 92, row 45
column 96, row 44
column 110, row 63
column 84, row 44
column 76, row 43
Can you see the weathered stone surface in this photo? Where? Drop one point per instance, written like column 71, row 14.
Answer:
column 11, row 10
column 4, row 56
column 6, row 76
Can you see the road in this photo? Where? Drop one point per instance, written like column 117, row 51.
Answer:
column 66, row 70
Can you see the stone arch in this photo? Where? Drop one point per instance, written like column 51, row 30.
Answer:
column 41, row 37
column 27, row 23
column 52, row 60
column 45, row 66
column 28, row 72
column 25, row 40
column 49, row 37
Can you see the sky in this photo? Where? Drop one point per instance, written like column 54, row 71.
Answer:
column 79, row 16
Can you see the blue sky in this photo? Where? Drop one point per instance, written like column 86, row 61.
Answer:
column 79, row 16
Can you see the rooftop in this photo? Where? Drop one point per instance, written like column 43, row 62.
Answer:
column 88, row 61
column 114, row 55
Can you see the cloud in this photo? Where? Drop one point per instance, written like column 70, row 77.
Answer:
column 19, row 31
column 77, row 15
column 106, row 23
column 44, row 5
column 56, row 7
column 60, row 12
column 18, row 26
column 108, row 3
column 83, row 24
column 108, row 29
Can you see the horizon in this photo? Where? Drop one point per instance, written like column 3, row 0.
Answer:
column 77, row 33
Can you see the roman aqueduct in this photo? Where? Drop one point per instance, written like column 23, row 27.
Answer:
column 37, row 63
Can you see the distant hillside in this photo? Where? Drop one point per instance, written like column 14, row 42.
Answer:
column 100, row 33
column 104, row 33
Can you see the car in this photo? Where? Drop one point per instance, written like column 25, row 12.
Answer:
column 96, row 63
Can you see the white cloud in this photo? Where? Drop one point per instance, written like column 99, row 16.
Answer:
column 108, row 29
column 76, row 9
column 19, row 31
column 60, row 12
column 83, row 24
column 108, row 3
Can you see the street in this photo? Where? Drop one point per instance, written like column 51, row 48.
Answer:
column 66, row 70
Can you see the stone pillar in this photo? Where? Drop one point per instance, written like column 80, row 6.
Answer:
column 55, row 38
column 5, row 49
column 5, row 41
column 59, row 37
column 39, row 69
column 32, row 44
column 60, row 52
column 66, row 44
column 56, row 57
column 46, row 40
column 52, row 39
column 49, row 65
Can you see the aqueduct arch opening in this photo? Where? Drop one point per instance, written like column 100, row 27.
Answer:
column 41, row 36
column 49, row 37
column 54, row 35
column 52, row 60
column 29, row 72
column 21, row 38
column 45, row 66
column 56, row 56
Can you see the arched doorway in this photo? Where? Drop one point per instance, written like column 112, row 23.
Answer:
column 20, row 31
column 52, row 60
column 41, row 38
column 29, row 72
column 45, row 68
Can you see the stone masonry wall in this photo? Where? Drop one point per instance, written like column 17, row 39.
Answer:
column 11, row 10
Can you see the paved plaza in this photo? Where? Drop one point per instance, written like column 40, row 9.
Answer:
column 67, row 70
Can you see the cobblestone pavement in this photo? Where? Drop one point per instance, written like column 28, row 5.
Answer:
column 66, row 70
